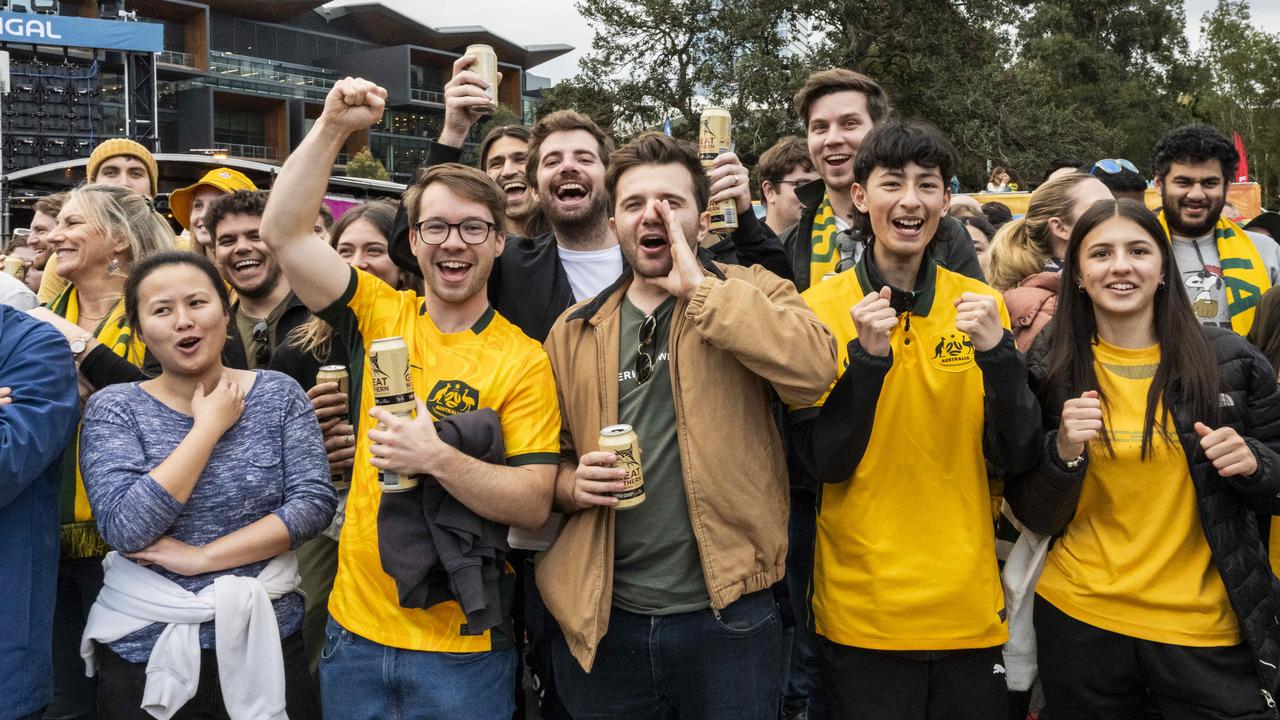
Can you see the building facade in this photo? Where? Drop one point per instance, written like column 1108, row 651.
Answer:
column 241, row 77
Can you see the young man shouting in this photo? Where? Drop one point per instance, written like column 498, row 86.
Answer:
column 906, row 597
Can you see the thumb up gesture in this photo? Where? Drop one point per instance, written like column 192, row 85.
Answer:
column 1081, row 424
column 1228, row 452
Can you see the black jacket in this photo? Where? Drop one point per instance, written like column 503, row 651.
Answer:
column 1234, row 511
column 951, row 246
column 529, row 286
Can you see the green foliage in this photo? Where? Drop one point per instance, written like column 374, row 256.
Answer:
column 364, row 165
column 1012, row 82
column 1240, row 66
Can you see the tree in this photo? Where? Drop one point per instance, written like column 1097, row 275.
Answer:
column 1241, row 88
column 364, row 165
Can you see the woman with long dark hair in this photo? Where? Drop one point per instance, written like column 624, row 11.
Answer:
column 1157, row 589
column 201, row 474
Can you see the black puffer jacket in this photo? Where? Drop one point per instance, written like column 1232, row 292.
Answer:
column 1234, row 511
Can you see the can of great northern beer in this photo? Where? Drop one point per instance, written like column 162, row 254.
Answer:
column 715, row 136
column 621, row 440
column 486, row 66
column 15, row 266
column 338, row 374
column 392, row 391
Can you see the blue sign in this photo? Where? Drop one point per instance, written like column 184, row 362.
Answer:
column 30, row 29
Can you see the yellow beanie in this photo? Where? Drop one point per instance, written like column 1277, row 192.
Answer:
column 224, row 179
column 115, row 147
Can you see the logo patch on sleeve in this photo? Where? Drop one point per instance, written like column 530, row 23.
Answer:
column 451, row 397
column 950, row 351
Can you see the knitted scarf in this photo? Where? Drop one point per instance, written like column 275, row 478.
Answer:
column 80, row 538
column 823, row 254
column 1244, row 277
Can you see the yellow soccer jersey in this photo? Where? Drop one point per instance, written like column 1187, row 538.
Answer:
column 905, row 556
column 491, row 365
column 1134, row 560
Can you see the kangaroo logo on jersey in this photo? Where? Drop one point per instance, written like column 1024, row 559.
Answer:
column 951, row 351
column 450, row 397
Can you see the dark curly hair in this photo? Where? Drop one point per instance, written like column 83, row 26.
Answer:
column 240, row 202
column 1194, row 144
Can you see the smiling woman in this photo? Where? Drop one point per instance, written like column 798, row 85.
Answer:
column 164, row 465
column 1165, row 448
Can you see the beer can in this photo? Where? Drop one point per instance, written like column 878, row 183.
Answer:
column 338, row 374
column 486, row 66
column 621, row 440
column 715, row 137
column 15, row 266
column 392, row 391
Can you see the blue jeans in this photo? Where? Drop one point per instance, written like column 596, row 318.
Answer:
column 687, row 665
column 363, row 680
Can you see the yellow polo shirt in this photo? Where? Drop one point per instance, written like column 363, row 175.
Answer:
column 905, row 556
column 491, row 365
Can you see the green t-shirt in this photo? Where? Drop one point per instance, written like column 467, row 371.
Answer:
column 245, row 324
column 656, row 569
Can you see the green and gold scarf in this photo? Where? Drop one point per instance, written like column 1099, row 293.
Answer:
column 1244, row 276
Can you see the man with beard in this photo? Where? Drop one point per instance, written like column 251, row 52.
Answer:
column 383, row 659
column 666, row 607
column 42, row 222
column 1225, row 270
column 838, row 108
column 566, row 156
column 266, row 310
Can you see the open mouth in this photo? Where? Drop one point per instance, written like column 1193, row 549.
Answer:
column 571, row 192
column 653, row 242
column 837, row 160
column 515, row 190
column 453, row 270
column 1122, row 287
column 908, row 225
column 188, row 345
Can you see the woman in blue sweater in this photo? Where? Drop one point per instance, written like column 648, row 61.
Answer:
column 200, row 473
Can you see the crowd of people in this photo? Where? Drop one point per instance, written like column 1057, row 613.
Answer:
column 903, row 455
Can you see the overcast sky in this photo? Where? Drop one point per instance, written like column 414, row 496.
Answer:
column 537, row 22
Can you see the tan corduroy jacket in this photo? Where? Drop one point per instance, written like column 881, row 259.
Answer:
column 745, row 332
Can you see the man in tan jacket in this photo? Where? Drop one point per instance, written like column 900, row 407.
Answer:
column 666, row 606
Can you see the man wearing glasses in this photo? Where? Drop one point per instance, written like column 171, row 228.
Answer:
column 665, row 607
column 266, row 310
column 382, row 659
column 783, row 168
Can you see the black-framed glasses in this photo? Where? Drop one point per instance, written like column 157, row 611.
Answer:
column 644, row 346
column 472, row 232
column 1111, row 166
column 262, row 337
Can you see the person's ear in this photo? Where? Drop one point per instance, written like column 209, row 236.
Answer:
column 859, row 194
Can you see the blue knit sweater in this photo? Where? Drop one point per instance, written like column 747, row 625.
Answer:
column 271, row 461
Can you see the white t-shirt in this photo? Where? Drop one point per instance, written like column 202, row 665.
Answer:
column 591, row 271
column 15, row 294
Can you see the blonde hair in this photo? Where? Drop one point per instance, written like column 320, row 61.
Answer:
column 1021, row 247
column 122, row 213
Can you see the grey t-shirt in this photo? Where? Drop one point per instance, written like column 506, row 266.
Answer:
column 15, row 293
column 1201, row 270
column 656, row 568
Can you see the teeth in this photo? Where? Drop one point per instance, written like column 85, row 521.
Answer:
column 454, row 265
column 512, row 186
column 246, row 264
column 837, row 158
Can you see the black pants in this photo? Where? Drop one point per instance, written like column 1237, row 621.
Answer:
column 893, row 685
column 1088, row 672
column 121, row 683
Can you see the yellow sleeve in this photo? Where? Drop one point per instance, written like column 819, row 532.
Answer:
column 531, row 414
column 368, row 309
column 51, row 283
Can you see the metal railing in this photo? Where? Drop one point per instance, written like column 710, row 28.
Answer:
column 431, row 96
column 173, row 57
column 255, row 152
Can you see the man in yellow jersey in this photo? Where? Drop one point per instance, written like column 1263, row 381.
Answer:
column 380, row 659
column 666, row 607
column 906, row 597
